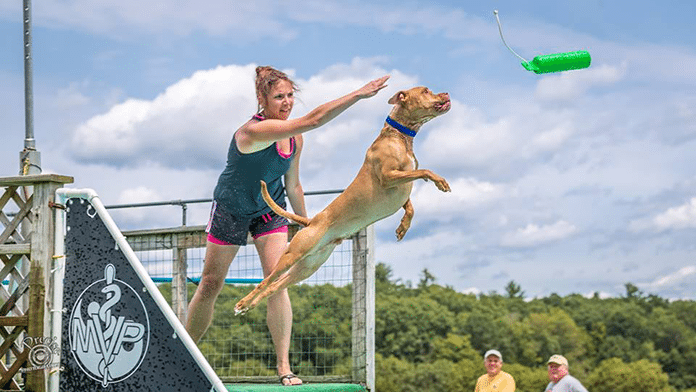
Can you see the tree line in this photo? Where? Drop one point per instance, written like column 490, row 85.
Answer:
column 430, row 337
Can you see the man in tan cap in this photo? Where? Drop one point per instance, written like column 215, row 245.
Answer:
column 495, row 380
column 561, row 381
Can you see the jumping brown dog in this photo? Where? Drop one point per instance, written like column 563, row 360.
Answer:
column 382, row 186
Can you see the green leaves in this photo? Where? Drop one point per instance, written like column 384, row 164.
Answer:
column 615, row 375
column 432, row 338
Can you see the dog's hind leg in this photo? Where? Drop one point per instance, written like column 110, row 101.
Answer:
column 405, row 221
column 299, row 248
column 244, row 304
column 299, row 272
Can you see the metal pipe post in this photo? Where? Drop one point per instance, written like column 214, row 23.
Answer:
column 29, row 158
column 29, row 141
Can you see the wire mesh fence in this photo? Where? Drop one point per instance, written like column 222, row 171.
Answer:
column 240, row 348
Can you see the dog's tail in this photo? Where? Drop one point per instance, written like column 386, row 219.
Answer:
column 279, row 210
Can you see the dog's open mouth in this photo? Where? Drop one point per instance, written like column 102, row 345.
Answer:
column 443, row 107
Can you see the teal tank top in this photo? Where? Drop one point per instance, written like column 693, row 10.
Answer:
column 238, row 188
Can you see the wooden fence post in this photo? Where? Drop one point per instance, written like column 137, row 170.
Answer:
column 364, row 308
column 39, row 214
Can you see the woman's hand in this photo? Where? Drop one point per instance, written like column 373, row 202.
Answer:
column 370, row 89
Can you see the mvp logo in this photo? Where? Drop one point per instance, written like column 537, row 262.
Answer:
column 109, row 329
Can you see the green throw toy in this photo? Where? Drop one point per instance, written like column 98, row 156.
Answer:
column 556, row 62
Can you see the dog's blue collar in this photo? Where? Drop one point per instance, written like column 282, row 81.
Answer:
column 401, row 128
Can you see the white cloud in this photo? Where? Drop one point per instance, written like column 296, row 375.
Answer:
column 407, row 19
column 71, row 97
column 552, row 139
column 189, row 124
column 271, row 18
column 465, row 138
column 139, row 194
column 675, row 218
column 146, row 183
column 533, row 235
column 681, row 217
column 467, row 193
column 471, row 290
column 439, row 252
column 675, row 65
column 123, row 18
column 601, row 294
column 140, row 215
column 573, row 84
column 672, row 280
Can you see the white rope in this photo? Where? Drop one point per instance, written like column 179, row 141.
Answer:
column 500, row 29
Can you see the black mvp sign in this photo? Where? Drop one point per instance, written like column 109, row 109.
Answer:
column 115, row 336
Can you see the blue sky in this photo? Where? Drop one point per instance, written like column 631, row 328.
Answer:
column 575, row 182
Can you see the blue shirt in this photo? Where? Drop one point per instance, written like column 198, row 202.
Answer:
column 567, row 384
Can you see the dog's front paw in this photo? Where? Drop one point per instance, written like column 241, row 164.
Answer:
column 400, row 234
column 240, row 308
column 401, row 231
column 442, row 184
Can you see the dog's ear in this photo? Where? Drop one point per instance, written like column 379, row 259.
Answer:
column 398, row 97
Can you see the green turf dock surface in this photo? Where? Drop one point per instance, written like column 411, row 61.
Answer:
column 297, row 388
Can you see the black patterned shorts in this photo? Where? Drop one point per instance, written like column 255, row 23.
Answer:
column 227, row 229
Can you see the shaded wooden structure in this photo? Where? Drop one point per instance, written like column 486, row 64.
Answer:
column 26, row 253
